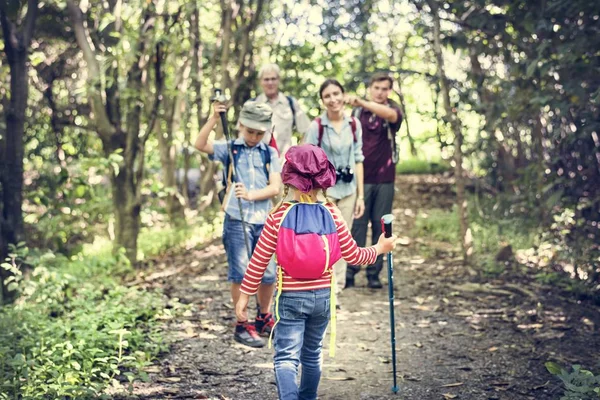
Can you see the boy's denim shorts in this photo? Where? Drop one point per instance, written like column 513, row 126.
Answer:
column 237, row 253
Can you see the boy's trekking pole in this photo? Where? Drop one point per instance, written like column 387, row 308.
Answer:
column 220, row 97
column 386, row 224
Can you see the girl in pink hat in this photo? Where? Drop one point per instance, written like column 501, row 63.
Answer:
column 308, row 237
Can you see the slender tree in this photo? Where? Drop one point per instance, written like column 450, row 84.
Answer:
column 455, row 123
column 17, row 35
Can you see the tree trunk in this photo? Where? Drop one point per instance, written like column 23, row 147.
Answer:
column 127, row 212
column 168, row 158
column 207, row 167
column 465, row 232
column 106, row 107
column 411, row 140
column 16, row 46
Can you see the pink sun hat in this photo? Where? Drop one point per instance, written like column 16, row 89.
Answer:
column 307, row 168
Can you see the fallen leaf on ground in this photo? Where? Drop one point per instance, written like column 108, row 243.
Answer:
column 424, row 323
column 169, row 379
column 561, row 327
column 549, row 335
column 339, row 378
column 464, row 313
column 530, row 326
column 153, row 369
column 449, row 396
column 421, row 308
column 541, row 386
column 418, row 345
column 453, row 384
column 492, row 349
column 587, row 322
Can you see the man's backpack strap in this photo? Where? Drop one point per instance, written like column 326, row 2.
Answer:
column 353, row 122
column 353, row 127
column 290, row 100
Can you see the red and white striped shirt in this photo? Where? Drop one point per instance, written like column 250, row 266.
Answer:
column 268, row 242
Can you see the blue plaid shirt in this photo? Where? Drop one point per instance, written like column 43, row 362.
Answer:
column 341, row 150
column 251, row 172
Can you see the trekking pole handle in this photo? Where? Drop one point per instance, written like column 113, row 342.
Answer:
column 386, row 224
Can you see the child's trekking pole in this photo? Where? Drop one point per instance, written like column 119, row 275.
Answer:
column 386, row 224
column 222, row 99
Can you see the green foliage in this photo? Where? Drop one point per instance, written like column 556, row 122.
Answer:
column 489, row 234
column 580, row 384
column 421, row 166
column 75, row 328
column 438, row 224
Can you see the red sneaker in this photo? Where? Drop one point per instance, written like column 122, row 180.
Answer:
column 245, row 333
column 264, row 325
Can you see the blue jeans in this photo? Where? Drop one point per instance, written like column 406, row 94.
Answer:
column 237, row 253
column 298, row 339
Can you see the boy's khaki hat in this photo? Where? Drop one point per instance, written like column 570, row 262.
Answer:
column 255, row 115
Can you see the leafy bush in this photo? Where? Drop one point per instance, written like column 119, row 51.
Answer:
column 580, row 384
column 75, row 328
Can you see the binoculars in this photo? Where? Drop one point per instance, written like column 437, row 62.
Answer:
column 345, row 174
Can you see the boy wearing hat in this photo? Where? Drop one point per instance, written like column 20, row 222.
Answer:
column 257, row 181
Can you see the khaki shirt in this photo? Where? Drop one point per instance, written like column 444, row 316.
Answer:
column 283, row 120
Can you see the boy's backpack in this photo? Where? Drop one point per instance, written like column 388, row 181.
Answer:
column 322, row 129
column 307, row 243
column 236, row 150
column 307, row 246
column 391, row 136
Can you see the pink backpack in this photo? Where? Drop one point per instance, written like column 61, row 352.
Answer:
column 307, row 247
column 307, row 243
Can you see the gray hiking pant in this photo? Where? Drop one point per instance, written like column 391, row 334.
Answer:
column 378, row 202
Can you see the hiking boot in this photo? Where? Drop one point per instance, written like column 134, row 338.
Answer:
column 349, row 282
column 374, row 282
column 264, row 325
column 245, row 333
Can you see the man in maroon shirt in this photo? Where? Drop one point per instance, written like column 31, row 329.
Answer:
column 380, row 119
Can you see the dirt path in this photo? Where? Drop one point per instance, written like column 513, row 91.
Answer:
column 459, row 336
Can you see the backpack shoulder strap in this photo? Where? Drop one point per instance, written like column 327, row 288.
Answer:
column 353, row 127
column 227, row 172
column 290, row 100
column 266, row 159
column 320, row 125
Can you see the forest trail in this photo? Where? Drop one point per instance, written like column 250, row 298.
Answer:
column 459, row 335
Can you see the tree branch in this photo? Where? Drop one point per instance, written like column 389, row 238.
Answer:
column 105, row 128
column 159, row 85
column 32, row 9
